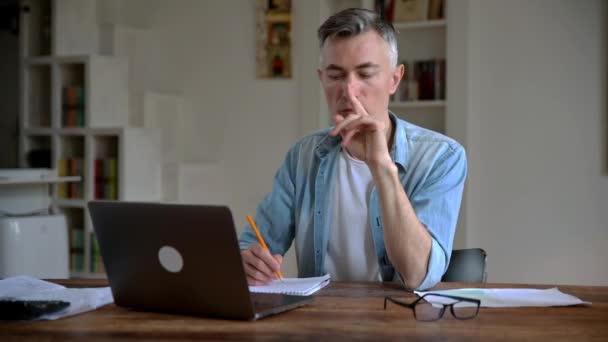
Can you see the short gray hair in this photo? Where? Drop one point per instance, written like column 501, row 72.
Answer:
column 354, row 21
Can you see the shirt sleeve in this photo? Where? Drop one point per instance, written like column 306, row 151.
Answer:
column 275, row 214
column 437, row 205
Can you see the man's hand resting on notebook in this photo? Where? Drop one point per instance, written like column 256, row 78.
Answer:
column 260, row 265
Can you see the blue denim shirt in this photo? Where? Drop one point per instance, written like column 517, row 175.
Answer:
column 432, row 169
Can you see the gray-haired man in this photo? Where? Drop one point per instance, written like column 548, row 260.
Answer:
column 372, row 198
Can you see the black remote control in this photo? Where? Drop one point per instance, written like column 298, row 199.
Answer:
column 19, row 310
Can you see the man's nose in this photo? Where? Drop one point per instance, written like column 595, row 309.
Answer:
column 350, row 82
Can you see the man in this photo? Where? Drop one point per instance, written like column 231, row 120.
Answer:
column 372, row 198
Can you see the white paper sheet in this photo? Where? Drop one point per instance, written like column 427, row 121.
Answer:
column 510, row 297
column 293, row 286
column 81, row 300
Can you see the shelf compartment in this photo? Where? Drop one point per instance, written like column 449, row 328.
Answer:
column 430, row 118
column 73, row 95
column 38, row 151
column 106, row 167
column 37, row 104
column 36, row 24
column 418, row 104
column 75, row 221
column 72, row 163
column 401, row 26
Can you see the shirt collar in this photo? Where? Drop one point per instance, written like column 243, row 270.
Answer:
column 400, row 148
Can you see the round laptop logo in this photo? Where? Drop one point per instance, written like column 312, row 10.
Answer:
column 170, row 259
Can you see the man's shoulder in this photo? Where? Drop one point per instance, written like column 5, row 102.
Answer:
column 425, row 138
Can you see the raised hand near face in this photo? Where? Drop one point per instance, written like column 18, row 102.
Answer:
column 363, row 134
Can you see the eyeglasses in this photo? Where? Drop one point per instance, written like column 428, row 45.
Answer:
column 431, row 306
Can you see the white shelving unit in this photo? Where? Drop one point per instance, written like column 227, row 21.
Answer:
column 420, row 25
column 418, row 104
column 418, row 41
column 58, row 55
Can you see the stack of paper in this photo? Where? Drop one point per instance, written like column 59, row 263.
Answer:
column 293, row 286
column 81, row 300
column 509, row 297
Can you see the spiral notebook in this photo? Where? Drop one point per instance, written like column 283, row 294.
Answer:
column 293, row 286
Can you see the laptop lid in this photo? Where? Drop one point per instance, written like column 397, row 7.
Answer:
column 177, row 258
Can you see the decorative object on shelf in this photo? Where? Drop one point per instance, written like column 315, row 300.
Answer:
column 273, row 39
column 436, row 9
column 410, row 10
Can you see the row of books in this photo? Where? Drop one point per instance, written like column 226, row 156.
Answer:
column 77, row 249
column 96, row 262
column 77, row 252
column 71, row 167
column 410, row 10
column 73, row 104
column 106, row 178
column 422, row 80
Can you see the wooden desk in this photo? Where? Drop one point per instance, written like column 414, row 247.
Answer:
column 340, row 311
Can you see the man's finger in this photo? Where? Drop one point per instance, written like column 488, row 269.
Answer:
column 346, row 121
column 348, row 136
column 256, row 267
column 264, row 255
column 255, row 277
column 359, row 109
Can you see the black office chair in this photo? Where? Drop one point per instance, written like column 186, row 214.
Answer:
column 467, row 265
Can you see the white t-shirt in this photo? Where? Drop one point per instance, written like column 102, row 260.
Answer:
column 351, row 254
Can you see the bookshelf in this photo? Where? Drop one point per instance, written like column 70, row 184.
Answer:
column 74, row 115
column 422, row 49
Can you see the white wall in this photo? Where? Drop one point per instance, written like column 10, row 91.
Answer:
column 535, row 130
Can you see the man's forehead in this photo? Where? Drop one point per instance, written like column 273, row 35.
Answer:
column 365, row 65
column 363, row 49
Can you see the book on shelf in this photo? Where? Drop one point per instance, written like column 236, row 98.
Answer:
column 385, row 8
column 436, row 9
column 96, row 262
column 73, row 104
column 62, row 171
column 76, row 249
column 410, row 10
column 71, row 167
column 423, row 81
column 106, row 178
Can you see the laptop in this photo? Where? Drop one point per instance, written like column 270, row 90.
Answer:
column 177, row 258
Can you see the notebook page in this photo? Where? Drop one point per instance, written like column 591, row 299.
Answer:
column 293, row 286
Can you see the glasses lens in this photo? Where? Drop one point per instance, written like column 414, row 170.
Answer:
column 464, row 310
column 425, row 311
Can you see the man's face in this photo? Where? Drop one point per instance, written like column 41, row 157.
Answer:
column 362, row 63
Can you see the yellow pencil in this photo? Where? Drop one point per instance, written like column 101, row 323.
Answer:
column 262, row 242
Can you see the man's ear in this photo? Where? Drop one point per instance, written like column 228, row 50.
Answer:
column 396, row 77
column 320, row 74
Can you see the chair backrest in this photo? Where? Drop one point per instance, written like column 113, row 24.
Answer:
column 467, row 265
